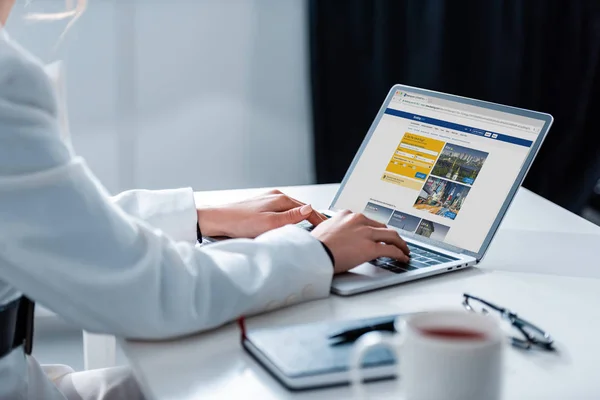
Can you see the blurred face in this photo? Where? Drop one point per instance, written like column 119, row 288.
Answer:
column 5, row 7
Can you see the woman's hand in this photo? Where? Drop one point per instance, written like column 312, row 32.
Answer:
column 253, row 217
column 354, row 239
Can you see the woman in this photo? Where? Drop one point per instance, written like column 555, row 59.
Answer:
column 128, row 265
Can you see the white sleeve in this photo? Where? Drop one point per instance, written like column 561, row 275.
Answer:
column 65, row 244
column 172, row 211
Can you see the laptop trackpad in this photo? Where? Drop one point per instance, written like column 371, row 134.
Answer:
column 363, row 272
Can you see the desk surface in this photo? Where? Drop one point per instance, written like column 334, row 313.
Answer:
column 535, row 278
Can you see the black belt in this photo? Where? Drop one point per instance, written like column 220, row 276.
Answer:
column 16, row 326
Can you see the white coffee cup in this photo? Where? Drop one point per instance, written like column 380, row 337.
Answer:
column 449, row 355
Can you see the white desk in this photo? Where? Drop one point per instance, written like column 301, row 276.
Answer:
column 535, row 237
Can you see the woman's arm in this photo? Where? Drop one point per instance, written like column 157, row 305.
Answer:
column 172, row 211
column 65, row 244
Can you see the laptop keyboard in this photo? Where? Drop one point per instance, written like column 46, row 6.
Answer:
column 419, row 257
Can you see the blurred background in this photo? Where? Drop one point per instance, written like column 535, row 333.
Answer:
column 212, row 94
column 219, row 94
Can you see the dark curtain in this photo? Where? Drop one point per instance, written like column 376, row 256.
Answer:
column 537, row 54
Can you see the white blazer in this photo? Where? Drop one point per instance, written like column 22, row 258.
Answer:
column 129, row 265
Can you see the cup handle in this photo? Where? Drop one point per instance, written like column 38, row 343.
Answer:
column 367, row 342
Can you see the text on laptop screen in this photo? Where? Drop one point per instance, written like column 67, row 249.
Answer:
column 439, row 169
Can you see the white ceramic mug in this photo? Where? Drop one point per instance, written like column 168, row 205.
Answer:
column 449, row 355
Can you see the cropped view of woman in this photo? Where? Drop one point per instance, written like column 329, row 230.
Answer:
column 130, row 265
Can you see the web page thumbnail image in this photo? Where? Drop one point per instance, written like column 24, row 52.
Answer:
column 377, row 212
column 442, row 197
column 404, row 221
column 459, row 164
column 432, row 230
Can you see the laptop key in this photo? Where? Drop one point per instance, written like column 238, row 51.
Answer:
column 407, row 267
column 396, row 266
column 307, row 226
column 383, row 261
column 393, row 269
column 418, row 264
column 378, row 262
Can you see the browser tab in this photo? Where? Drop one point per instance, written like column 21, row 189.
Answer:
column 415, row 97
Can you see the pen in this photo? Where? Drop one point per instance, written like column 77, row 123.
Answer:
column 352, row 335
column 242, row 325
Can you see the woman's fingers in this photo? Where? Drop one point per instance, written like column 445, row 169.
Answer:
column 389, row 236
column 316, row 218
column 281, row 202
column 391, row 251
column 285, row 203
column 361, row 219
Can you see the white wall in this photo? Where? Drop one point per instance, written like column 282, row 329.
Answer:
column 205, row 93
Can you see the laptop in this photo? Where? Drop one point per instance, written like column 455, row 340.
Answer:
column 442, row 170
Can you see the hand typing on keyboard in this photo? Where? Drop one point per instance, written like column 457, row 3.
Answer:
column 253, row 217
column 354, row 239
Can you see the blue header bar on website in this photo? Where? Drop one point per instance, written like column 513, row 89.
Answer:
column 461, row 128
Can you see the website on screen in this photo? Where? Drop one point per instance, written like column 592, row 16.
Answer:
column 439, row 169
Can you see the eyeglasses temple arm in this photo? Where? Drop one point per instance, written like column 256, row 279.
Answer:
column 487, row 303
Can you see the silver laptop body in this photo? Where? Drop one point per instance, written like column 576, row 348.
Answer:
column 443, row 171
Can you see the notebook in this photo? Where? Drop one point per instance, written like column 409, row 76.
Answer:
column 303, row 357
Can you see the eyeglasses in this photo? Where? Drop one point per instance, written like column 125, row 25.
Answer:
column 530, row 335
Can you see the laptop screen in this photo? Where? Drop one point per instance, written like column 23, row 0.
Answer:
column 437, row 168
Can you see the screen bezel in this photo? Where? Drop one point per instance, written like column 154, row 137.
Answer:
column 546, row 118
